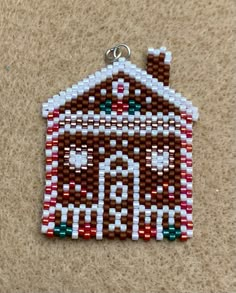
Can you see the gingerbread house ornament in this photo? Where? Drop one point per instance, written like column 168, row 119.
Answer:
column 119, row 155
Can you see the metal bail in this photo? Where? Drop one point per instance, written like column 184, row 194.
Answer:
column 114, row 53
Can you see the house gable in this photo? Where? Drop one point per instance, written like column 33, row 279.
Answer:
column 161, row 98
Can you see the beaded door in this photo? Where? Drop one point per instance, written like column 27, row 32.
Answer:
column 119, row 160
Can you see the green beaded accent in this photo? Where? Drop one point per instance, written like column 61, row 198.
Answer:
column 133, row 106
column 177, row 233
column 106, row 106
column 166, row 233
column 172, row 229
column 63, row 226
column 131, row 103
column 102, row 106
column 108, row 110
column 171, row 233
column 63, row 230
column 62, row 233
column 57, row 230
column 108, row 102
column 172, row 237
column 69, row 231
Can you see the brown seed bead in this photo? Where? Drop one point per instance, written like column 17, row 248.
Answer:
column 123, row 235
column 57, row 222
column 111, row 235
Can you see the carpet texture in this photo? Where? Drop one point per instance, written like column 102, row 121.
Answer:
column 46, row 46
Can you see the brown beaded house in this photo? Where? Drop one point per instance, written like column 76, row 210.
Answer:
column 119, row 155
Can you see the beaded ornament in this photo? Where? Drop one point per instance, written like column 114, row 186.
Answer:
column 119, row 155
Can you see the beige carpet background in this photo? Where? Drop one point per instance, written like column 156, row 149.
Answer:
column 46, row 46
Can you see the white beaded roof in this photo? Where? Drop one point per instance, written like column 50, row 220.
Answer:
column 133, row 71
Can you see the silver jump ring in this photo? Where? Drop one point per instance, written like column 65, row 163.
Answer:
column 116, row 52
column 127, row 50
column 112, row 54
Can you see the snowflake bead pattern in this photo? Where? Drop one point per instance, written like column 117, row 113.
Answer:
column 119, row 155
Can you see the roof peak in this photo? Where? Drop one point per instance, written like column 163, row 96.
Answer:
column 122, row 65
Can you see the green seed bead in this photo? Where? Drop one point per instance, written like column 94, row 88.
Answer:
column 131, row 111
column 131, row 103
column 69, row 231
column 102, row 107
column 108, row 102
column 166, row 233
column 137, row 107
column 177, row 233
column 63, row 234
column 57, row 230
column 63, row 226
column 108, row 111
column 172, row 237
column 172, row 229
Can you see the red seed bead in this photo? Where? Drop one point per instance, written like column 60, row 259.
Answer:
column 183, row 189
column 189, row 177
column 120, row 88
column 189, row 148
column 190, row 225
column 125, row 107
column 86, row 235
column 72, row 184
column 48, row 176
column 54, row 171
column 48, row 190
column 183, row 115
column 48, row 144
column 55, row 142
column 184, row 144
column 55, row 156
column 55, row 128
column 189, row 163
column 189, row 193
column 45, row 221
column 53, row 202
column 49, row 130
column 83, row 192
column 141, row 233
column 93, row 231
column 189, row 119
column 81, row 231
column 153, row 232
column 49, row 161
column 87, row 227
column 50, row 233
column 147, row 228
column 189, row 209
column 147, row 236
column 56, row 113
column 182, row 159
column 114, row 107
column 46, row 206
column 183, row 221
column 183, row 236
column 54, row 186
column 183, row 205
column 171, row 197
column 51, row 218
column 66, row 194
column 183, row 173
column 50, row 116
column 154, row 193
column 189, row 133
